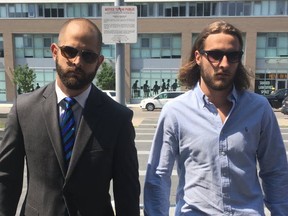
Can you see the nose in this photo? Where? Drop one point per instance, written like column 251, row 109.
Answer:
column 77, row 59
column 224, row 62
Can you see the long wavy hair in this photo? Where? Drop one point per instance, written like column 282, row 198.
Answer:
column 189, row 74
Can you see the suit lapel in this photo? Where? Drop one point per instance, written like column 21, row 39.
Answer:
column 50, row 114
column 88, row 122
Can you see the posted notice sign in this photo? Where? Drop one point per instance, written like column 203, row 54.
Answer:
column 119, row 24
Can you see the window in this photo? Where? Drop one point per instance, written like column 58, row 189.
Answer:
column 166, row 43
column 157, row 46
column 145, row 43
column 1, row 47
column 272, row 42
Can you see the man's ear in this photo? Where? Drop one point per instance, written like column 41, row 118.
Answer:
column 197, row 57
column 54, row 50
column 99, row 61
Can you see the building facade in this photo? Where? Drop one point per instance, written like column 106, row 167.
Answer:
column 166, row 32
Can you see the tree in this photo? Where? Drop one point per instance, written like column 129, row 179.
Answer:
column 24, row 78
column 106, row 77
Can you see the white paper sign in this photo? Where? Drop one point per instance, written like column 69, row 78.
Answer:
column 119, row 24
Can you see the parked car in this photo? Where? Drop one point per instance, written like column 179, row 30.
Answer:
column 110, row 93
column 284, row 108
column 275, row 99
column 158, row 101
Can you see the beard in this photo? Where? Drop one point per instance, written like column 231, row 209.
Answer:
column 75, row 78
column 215, row 83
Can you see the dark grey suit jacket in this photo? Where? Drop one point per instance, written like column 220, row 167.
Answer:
column 104, row 149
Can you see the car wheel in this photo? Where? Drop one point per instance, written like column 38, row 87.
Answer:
column 150, row 107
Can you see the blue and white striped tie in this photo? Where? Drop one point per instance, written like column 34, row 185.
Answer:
column 67, row 126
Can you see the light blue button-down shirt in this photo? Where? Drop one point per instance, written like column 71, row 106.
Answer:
column 216, row 161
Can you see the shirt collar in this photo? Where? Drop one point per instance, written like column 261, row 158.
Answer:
column 81, row 99
column 203, row 99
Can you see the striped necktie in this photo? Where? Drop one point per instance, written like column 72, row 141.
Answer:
column 67, row 126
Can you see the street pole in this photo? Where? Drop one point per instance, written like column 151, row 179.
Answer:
column 120, row 66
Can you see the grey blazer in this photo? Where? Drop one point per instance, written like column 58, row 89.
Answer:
column 104, row 150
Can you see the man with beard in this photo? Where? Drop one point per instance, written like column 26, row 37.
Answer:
column 218, row 133
column 72, row 151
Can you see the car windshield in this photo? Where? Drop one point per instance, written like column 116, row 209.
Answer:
column 113, row 94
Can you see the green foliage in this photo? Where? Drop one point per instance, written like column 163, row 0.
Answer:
column 106, row 77
column 24, row 78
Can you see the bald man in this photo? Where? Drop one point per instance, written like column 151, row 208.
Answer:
column 76, row 139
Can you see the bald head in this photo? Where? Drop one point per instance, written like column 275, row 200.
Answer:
column 80, row 28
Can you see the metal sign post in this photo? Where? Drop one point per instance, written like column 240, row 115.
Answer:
column 119, row 26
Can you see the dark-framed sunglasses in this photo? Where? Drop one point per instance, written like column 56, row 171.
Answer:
column 71, row 52
column 216, row 56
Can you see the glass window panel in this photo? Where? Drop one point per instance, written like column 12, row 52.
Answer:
column 166, row 43
column 166, row 53
column 47, row 53
column 232, row 8
column 192, row 10
column 145, row 53
column 283, row 41
column 135, row 53
column 49, row 76
column 27, row 41
column 261, row 41
column 90, row 10
column 176, row 53
column 283, row 52
column 38, row 42
column 2, row 75
column 40, row 10
column 84, row 9
column 144, row 11
column 31, row 10
column 207, row 9
column 272, row 8
column 19, row 53
column 265, row 8
column 29, row 53
column 38, row 53
column 156, row 42
column 70, row 10
column 260, row 53
column 176, row 42
column 160, row 9
column 18, row 8
column 271, row 53
column 151, row 9
column 272, row 42
column 280, row 7
column 200, row 8
column 224, row 10
column 257, row 9
column 47, row 42
column 77, row 10
column 145, row 43
column 3, row 12
column 155, row 53
column 182, row 10
column 39, row 75
column 247, row 9
column 239, row 9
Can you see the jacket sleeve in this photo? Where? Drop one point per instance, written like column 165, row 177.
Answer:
column 11, row 165
column 126, row 186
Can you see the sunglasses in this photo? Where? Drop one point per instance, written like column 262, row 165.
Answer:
column 216, row 56
column 71, row 52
